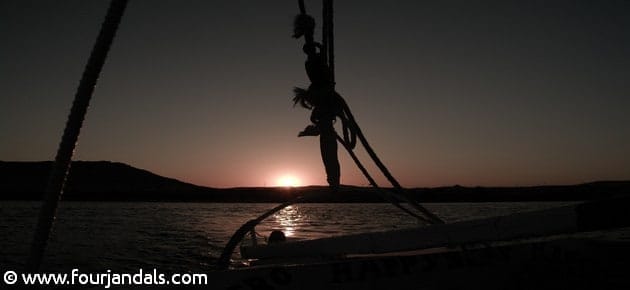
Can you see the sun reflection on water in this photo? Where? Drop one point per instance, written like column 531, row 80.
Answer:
column 289, row 219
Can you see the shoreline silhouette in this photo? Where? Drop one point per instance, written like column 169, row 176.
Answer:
column 114, row 181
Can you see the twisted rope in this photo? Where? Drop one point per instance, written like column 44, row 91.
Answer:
column 61, row 166
column 350, row 129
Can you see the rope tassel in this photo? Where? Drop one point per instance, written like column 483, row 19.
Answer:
column 303, row 24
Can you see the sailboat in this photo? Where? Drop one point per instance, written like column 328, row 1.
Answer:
column 557, row 248
column 548, row 249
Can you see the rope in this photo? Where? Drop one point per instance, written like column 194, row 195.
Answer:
column 351, row 129
column 325, row 32
column 57, row 179
column 329, row 36
column 399, row 189
column 302, row 8
column 389, row 196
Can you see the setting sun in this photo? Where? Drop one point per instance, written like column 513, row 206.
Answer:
column 288, row 181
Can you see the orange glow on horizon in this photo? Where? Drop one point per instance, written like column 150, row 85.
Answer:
column 288, row 181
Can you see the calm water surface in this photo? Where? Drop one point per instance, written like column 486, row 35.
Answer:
column 188, row 237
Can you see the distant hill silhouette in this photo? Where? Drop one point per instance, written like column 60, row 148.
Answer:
column 91, row 180
column 112, row 181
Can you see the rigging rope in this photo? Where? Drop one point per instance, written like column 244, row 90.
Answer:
column 329, row 36
column 303, row 27
column 399, row 189
column 325, row 48
column 350, row 128
column 61, row 166
column 384, row 194
column 302, row 8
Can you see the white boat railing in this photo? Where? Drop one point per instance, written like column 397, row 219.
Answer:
column 584, row 217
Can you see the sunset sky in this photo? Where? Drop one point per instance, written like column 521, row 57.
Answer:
column 447, row 92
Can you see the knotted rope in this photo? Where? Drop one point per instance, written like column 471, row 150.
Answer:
column 350, row 128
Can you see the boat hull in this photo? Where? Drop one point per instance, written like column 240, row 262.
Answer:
column 557, row 264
